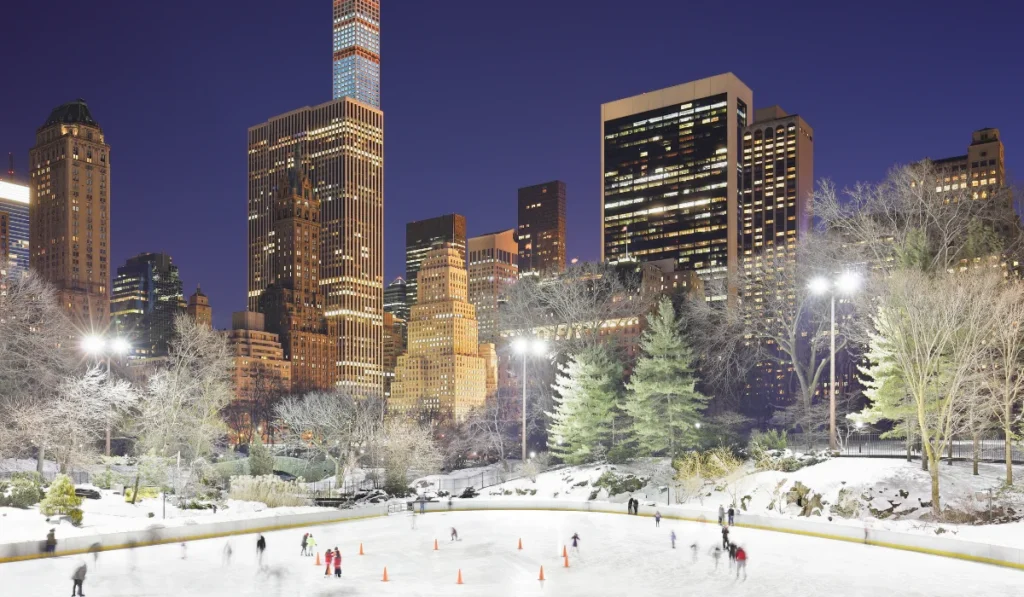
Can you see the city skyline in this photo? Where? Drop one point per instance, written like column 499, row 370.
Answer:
column 839, row 90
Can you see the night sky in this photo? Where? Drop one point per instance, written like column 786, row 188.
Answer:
column 481, row 97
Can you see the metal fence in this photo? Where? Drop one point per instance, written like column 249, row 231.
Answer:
column 77, row 477
column 871, row 445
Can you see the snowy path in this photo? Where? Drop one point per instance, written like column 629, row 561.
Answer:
column 620, row 555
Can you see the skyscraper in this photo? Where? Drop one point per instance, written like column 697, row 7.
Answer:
column 492, row 269
column 541, row 230
column 14, row 258
column 982, row 169
column 69, row 212
column 670, row 162
column 445, row 372
column 199, row 308
column 144, row 299
column 395, row 299
column 340, row 145
column 293, row 303
column 425, row 235
column 357, row 50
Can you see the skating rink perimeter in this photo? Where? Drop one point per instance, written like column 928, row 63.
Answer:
column 619, row 555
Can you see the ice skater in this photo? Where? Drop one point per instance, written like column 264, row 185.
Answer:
column 732, row 555
column 94, row 549
column 261, row 546
column 455, row 535
column 575, row 542
column 305, row 544
column 741, row 563
column 725, row 537
column 716, row 555
column 51, row 541
column 184, row 551
column 657, row 519
column 732, row 515
column 721, row 514
column 329, row 556
column 78, row 578
column 693, row 552
column 310, row 545
column 226, row 554
column 337, row 563
column 629, row 506
column 672, row 536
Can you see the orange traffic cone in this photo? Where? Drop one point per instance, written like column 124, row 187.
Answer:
column 459, row 581
column 520, row 543
column 385, row 579
column 566, row 561
column 541, row 573
column 361, row 549
column 565, row 553
column 317, row 559
column 435, row 544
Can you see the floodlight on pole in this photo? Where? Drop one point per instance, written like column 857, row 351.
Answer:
column 520, row 345
column 539, row 347
column 120, row 346
column 819, row 285
column 848, row 282
column 525, row 347
column 92, row 345
column 845, row 283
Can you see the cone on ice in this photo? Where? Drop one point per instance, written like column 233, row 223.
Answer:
column 317, row 562
column 385, row 579
column 459, row 581
column 361, row 549
column 565, row 552
column 541, row 573
column 520, row 543
column 566, row 561
column 435, row 544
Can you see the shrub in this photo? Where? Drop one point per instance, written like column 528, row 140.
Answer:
column 772, row 439
column 108, row 478
column 469, row 492
column 76, row 516
column 270, row 490
column 261, row 461
column 310, row 470
column 32, row 476
column 621, row 453
column 24, row 493
column 616, row 484
column 710, row 464
column 144, row 493
column 61, row 498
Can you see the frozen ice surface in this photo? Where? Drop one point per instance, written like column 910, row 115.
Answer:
column 619, row 555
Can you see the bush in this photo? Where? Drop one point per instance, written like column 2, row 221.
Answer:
column 310, row 470
column 760, row 441
column 144, row 493
column 76, row 516
column 61, row 498
column 270, row 490
column 622, row 453
column 710, row 464
column 616, row 484
column 32, row 476
column 261, row 461
column 108, row 478
column 21, row 493
column 469, row 492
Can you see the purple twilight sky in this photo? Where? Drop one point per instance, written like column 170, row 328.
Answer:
column 482, row 97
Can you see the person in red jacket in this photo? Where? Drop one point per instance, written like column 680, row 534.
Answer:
column 741, row 563
column 329, row 556
column 337, row 563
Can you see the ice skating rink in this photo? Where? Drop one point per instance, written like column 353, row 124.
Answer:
column 619, row 555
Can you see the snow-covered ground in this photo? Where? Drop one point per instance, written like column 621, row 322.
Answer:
column 112, row 513
column 619, row 555
column 884, row 484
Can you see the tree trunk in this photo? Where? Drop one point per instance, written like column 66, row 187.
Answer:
column 934, row 471
column 924, row 459
column 1009, row 459
column 41, row 459
column 977, row 448
column 135, row 492
column 950, row 452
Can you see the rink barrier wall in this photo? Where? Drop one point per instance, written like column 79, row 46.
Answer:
column 158, row 535
column 1009, row 557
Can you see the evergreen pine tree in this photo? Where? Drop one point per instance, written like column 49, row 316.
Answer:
column 662, row 399
column 587, row 391
column 261, row 461
column 60, row 498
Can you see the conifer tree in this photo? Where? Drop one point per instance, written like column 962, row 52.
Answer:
column 587, row 392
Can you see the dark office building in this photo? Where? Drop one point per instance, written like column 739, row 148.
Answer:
column 424, row 235
column 145, row 297
column 395, row 301
column 541, row 232
column 670, row 162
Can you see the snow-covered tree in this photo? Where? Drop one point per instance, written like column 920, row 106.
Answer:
column 407, row 447
column 1005, row 384
column 662, row 400
column 261, row 461
column 181, row 410
column 587, row 393
column 888, row 394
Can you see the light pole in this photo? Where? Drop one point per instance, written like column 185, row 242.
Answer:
column 524, row 347
column 846, row 283
column 98, row 346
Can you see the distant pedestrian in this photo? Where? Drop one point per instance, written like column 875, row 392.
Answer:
column 329, row 556
column 449, row 503
column 636, row 507
column 741, row 563
column 337, row 563
column 455, row 534
column 184, row 551
column 576, row 542
column 657, row 518
column 305, row 544
column 716, row 554
column 672, row 536
column 310, row 545
column 732, row 514
column 721, row 514
column 261, row 546
column 79, row 579
column 693, row 552
column 51, row 541
column 226, row 555
column 94, row 549
column 423, row 505
column 725, row 537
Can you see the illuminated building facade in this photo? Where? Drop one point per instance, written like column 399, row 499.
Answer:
column 69, row 213
column 145, row 297
column 982, row 170
column 395, row 299
column 199, row 308
column 445, row 372
column 14, row 253
column 670, row 161
column 422, row 237
column 357, row 50
column 492, row 269
column 541, row 231
column 340, row 145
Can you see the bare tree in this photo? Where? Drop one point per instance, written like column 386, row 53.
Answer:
column 255, row 410
column 1005, row 384
column 181, row 411
column 407, row 447
column 493, row 428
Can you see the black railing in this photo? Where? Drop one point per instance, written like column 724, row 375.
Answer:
column 871, row 445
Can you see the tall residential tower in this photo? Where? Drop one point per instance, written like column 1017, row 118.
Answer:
column 14, row 252
column 357, row 50
column 541, row 232
column 69, row 213
column 492, row 269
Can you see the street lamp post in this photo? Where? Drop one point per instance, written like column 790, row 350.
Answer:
column 98, row 346
column 524, row 347
column 847, row 283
